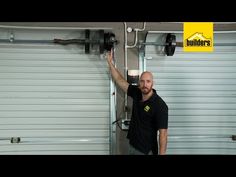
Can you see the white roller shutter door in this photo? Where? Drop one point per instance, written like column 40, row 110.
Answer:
column 200, row 90
column 55, row 98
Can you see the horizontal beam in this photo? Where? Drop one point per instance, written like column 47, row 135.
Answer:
column 180, row 32
column 180, row 44
column 27, row 41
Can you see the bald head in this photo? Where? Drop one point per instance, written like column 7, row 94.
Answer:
column 147, row 74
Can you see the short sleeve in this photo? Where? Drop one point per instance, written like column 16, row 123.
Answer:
column 133, row 90
column 162, row 119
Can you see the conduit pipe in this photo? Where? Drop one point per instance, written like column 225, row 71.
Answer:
column 136, row 30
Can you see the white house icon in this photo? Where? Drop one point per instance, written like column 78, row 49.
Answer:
column 197, row 35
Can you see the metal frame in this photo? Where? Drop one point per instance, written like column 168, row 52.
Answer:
column 113, row 143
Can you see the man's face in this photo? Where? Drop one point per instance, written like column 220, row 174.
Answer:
column 146, row 83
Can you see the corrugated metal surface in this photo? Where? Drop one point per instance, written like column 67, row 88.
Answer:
column 55, row 98
column 200, row 90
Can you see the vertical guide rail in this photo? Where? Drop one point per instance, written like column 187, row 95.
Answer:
column 141, row 58
column 112, row 113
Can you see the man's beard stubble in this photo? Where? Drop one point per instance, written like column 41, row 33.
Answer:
column 146, row 90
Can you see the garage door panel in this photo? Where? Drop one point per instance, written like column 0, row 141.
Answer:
column 199, row 89
column 52, row 91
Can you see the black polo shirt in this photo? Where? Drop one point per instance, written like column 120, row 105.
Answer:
column 147, row 117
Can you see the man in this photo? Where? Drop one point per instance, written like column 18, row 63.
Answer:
column 149, row 113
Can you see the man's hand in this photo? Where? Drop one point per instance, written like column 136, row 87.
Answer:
column 110, row 57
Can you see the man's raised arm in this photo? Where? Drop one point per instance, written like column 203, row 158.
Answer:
column 116, row 75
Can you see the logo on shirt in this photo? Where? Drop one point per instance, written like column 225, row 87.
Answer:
column 146, row 108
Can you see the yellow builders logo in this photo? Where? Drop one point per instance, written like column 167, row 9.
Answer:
column 198, row 37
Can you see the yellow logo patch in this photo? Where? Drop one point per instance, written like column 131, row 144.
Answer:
column 198, row 37
column 146, row 108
